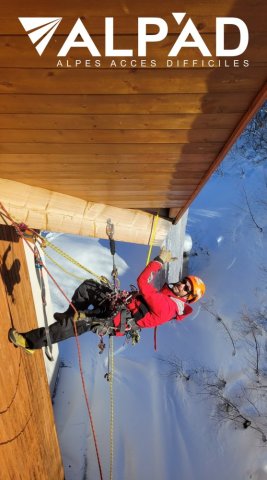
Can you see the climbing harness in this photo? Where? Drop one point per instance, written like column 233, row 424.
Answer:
column 118, row 299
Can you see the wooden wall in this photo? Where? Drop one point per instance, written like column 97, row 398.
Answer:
column 28, row 440
column 130, row 137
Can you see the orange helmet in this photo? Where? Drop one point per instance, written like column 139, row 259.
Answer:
column 198, row 288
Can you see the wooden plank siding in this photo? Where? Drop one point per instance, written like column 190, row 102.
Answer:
column 118, row 122
column 128, row 10
column 119, row 81
column 138, row 104
column 28, row 440
column 134, row 137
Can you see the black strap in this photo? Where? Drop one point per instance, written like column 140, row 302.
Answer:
column 123, row 320
column 142, row 309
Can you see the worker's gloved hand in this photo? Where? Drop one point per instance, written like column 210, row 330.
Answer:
column 165, row 256
column 79, row 316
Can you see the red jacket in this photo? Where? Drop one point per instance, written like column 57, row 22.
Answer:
column 163, row 305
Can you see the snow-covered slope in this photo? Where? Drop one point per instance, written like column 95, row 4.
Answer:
column 180, row 412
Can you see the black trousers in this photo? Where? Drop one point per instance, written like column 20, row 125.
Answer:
column 88, row 293
column 58, row 331
column 92, row 293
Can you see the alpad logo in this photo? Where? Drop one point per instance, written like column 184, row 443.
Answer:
column 41, row 30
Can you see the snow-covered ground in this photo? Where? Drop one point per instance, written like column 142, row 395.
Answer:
column 180, row 412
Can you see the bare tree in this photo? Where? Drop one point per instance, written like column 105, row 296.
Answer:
column 255, row 135
column 208, row 305
column 252, row 215
column 238, row 408
column 251, row 331
column 175, row 367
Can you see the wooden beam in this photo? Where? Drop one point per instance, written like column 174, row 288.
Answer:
column 47, row 210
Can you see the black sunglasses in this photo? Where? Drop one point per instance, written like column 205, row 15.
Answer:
column 187, row 285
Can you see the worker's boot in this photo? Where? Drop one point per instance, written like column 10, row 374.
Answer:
column 19, row 340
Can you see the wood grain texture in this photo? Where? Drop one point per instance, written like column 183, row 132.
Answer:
column 89, row 130
column 120, row 104
column 109, row 148
column 118, row 122
column 119, row 136
column 126, row 8
column 133, row 81
column 126, row 22
column 48, row 210
column 28, row 440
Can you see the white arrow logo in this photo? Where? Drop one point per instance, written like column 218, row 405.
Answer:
column 41, row 30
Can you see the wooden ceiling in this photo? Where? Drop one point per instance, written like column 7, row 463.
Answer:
column 134, row 137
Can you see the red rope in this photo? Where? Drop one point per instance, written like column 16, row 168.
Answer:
column 87, row 400
column 20, row 233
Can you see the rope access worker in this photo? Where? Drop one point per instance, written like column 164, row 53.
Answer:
column 148, row 308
